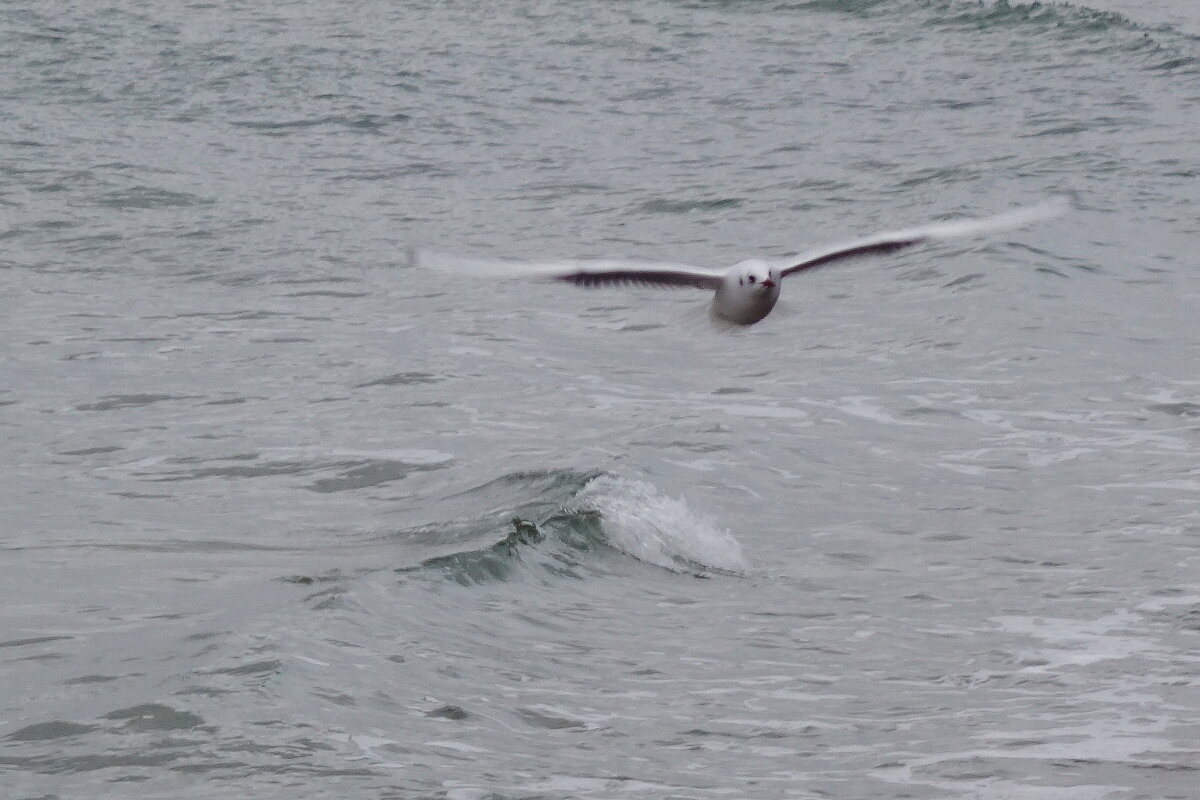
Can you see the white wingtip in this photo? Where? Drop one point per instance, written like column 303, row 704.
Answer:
column 1018, row 218
column 477, row 267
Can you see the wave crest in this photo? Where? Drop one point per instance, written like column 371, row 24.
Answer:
column 642, row 522
column 602, row 512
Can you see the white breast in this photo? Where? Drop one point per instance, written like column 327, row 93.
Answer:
column 742, row 304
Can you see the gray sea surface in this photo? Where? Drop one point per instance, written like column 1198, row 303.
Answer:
column 286, row 515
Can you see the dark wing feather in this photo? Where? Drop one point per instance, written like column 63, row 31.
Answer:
column 581, row 272
column 890, row 242
column 591, row 278
column 853, row 251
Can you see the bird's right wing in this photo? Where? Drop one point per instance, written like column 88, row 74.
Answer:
column 887, row 242
column 581, row 272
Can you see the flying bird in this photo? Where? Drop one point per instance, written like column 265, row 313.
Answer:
column 746, row 292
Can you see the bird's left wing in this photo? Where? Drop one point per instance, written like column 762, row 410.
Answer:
column 582, row 272
column 888, row 242
column 606, row 273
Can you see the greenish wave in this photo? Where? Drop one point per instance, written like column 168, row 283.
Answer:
column 567, row 524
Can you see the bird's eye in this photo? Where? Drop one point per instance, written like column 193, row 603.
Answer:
column 751, row 279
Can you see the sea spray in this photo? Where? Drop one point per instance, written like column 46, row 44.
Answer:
column 646, row 524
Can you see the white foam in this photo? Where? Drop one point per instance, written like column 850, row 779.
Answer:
column 660, row 530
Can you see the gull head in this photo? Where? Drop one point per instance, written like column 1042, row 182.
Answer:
column 756, row 277
column 748, row 293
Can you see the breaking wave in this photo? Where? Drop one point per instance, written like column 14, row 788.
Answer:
column 603, row 513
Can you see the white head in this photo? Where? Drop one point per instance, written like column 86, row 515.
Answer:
column 756, row 276
column 748, row 292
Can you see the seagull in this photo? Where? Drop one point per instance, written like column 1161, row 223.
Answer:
column 746, row 292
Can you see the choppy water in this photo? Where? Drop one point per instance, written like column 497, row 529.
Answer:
column 286, row 516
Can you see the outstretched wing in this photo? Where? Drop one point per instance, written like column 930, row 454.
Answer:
column 663, row 275
column 582, row 272
column 889, row 242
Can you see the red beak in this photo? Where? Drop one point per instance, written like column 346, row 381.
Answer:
column 767, row 282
